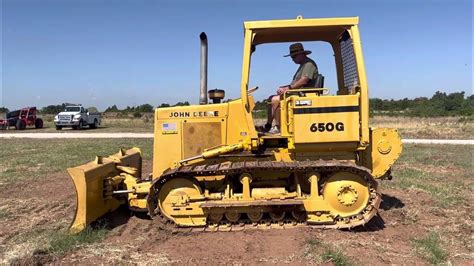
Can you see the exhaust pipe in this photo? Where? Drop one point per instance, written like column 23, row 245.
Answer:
column 203, row 94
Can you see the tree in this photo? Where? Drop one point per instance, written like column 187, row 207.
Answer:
column 92, row 109
column 164, row 105
column 186, row 103
column 145, row 108
column 4, row 110
column 54, row 109
column 112, row 108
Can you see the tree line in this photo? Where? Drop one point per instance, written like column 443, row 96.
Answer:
column 440, row 104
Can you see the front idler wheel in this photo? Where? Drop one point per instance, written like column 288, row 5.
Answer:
column 347, row 193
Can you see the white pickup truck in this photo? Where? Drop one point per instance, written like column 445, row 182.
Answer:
column 76, row 117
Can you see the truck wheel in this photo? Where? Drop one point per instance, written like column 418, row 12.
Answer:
column 39, row 123
column 81, row 125
column 95, row 124
column 59, row 127
column 20, row 125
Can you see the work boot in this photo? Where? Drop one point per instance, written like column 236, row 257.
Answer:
column 267, row 127
column 275, row 130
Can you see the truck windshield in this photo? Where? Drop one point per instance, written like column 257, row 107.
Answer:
column 73, row 109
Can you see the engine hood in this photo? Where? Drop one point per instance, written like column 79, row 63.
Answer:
column 69, row 113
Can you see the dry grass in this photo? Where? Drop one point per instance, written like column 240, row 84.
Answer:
column 430, row 128
column 420, row 127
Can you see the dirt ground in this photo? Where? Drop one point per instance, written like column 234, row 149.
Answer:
column 406, row 214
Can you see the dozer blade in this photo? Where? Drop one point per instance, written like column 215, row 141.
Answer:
column 95, row 182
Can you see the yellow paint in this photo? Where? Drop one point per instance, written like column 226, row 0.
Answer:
column 93, row 194
column 315, row 126
column 384, row 149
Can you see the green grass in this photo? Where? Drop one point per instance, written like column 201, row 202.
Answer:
column 62, row 242
column 429, row 247
column 29, row 158
column 443, row 171
column 4, row 214
column 49, row 242
column 335, row 256
column 329, row 254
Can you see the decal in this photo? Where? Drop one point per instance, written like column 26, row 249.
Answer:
column 329, row 127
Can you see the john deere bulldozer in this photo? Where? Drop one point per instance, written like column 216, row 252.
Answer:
column 212, row 170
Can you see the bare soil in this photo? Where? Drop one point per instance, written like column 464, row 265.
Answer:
column 405, row 215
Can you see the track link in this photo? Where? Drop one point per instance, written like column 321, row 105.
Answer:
column 236, row 168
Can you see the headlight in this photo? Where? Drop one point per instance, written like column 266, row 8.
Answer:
column 77, row 116
column 56, row 118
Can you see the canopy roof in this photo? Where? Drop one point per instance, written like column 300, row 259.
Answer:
column 299, row 29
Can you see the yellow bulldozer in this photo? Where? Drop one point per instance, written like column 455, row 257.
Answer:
column 212, row 170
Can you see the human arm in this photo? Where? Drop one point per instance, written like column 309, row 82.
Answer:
column 296, row 84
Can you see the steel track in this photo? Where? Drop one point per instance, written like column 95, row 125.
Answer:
column 236, row 168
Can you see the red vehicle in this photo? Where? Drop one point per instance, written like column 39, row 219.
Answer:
column 22, row 118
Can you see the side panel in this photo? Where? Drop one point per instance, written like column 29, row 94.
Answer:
column 198, row 136
column 185, row 131
column 322, row 119
column 240, row 123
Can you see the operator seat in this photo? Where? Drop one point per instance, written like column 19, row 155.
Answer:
column 319, row 81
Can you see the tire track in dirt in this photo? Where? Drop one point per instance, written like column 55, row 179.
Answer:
column 49, row 202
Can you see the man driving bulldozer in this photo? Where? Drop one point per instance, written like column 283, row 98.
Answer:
column 305, row 76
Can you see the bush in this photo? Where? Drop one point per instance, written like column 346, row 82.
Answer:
column 137, row 114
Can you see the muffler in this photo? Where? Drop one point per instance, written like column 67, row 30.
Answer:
column 203, row 88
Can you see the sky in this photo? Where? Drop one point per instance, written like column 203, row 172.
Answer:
column 130, row 52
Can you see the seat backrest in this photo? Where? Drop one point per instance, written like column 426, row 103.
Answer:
column 319, row 81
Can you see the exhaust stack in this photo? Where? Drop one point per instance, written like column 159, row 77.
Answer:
column 203, row 91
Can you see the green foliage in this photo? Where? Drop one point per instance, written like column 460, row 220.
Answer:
column 441, row 104
column 31, row 156
column 4, row 214
column 4, row 110
column 330, row 254
column 112, row 108
column 62, row 242
column 54, row 109
column 335, row 256
column 186, row 103
column 144, row 108
column 92, row 109
column 261, row 105
column 430, row 248
column 137, row 114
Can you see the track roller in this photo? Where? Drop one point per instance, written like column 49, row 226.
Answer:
column 255, row 216
column 232, row 216
column 215, row 217
column 277, row 215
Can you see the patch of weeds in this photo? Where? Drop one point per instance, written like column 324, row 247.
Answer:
column 335, row 256
column 314, row 242
column 329, row 253
column 311, row 246
column 444, row 193
column 4, row 214
column 63, row 241
column 36, row 159
column 429, row 247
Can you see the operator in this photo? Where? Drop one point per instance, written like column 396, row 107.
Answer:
column 305, row 76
